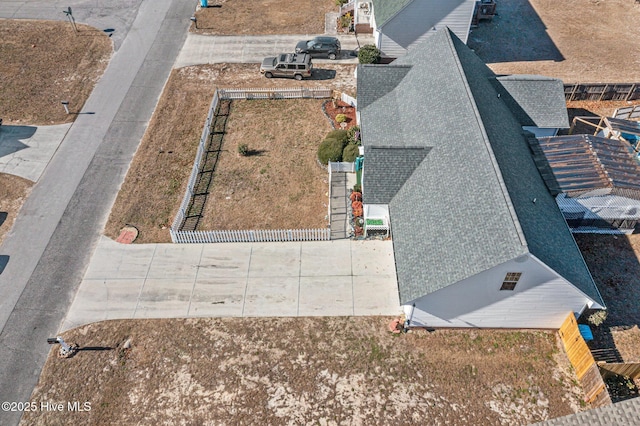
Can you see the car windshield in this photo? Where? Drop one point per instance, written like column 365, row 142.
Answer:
column 310, row 44
column 275, row 61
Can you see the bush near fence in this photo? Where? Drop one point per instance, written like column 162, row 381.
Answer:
column 180, row 236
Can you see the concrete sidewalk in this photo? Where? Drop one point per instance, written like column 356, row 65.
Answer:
column 324, row 278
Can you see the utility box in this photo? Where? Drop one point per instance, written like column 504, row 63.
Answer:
column 204, row 3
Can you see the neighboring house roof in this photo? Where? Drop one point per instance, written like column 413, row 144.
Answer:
column 578, row 164
column 619, row 414
column 535, row 100
column 477, row 199
column 384, row 10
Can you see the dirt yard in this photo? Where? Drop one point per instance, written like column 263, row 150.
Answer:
column 326, row 371
column 578, row 41
column 163, row 162
column 278, row 184
column 258, row 17
column 44, row 63
column 32, row 88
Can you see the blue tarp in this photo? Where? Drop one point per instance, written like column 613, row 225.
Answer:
column 585, row 332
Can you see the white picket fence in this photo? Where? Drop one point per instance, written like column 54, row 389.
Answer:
column 342, row 166
column 250, row 236
column 260, row 235
column 276, row 93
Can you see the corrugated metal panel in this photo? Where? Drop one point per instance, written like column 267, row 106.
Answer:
column 583, row 163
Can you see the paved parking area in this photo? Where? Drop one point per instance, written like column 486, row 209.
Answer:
column 324, row 278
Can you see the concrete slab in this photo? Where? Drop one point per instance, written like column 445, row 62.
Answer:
column 224, row 260
column 25, row 151
column 99, row 300
column 373, row 257
column 375, row 295
column 116, row 261
column 271, row 297
column 326, row 296
column 323, row 278
column 175, row 261
column 164, row 298
column 325, row 258
column 218, row 297
column 275, row 260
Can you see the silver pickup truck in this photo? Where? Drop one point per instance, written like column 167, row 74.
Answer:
column 296, row 65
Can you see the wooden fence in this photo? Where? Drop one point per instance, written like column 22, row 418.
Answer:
column 602, row 91
column 582, row 361
column 631, row 369
column 221, row 236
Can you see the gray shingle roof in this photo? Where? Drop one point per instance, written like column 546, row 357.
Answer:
column 389, row 170
column 383, row 10
column 623, row 413
column 468, row 206
column 377, row 81
column 535, row 100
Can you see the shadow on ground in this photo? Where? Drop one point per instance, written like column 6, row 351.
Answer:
column 515, row 34
column 323, row 74
column 11, row 137
column 614, row 265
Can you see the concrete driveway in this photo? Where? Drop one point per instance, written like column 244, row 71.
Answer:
column 206, row 49
column 324, row 278
column 25, row 151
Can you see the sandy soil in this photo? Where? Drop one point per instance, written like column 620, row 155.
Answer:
column 326, row 371
column 240, row 17
column 578, row 41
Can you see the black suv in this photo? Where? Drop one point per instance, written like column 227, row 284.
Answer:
column 320, row 47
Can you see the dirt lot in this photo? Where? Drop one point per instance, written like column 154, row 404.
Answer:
column 163, row 162
column 32, row 89
column 278, row 184
column 578, row 41
column 257, row 17
column 44, row 63
column 326, row 371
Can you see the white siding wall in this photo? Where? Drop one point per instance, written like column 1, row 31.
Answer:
column 417, row 21
column 541, row 299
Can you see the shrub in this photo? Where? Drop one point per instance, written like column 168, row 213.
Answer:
column 345, row 20
column 341, row 2
column 243, row 149
column 341, row 118
column 357, row 188
column 368, row 54
column 330, row 150
column 339, row 135
column 597, row 318
column 350, row 153
column 353, row 135
column 356, row 205
column 355, row 196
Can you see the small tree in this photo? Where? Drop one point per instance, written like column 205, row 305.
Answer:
column 368, row 54
column 243, row 149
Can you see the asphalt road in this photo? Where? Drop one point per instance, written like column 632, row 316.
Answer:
column 51, row 241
